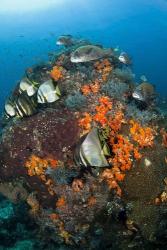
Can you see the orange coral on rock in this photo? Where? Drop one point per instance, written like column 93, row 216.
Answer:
column 124, row 152
column 57, row 73
column 86, row 90
column 77, row 185
column 104, row 68
column 91, row 88
column 85, row 122
column 37, row 166
column 144, row 136
column 102, row 109
column 61, row 202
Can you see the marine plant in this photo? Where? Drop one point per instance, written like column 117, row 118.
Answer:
column 116, row 89
column 76, row 101
column 124, row 74
column 144, row 117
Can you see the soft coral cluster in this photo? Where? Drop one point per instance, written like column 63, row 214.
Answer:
column 57, row 73
column 144, row 136
column 37, row 166
column 124, row 152
column 85, row 122
column 104, row 68
column 91, row 88
column 102, row 110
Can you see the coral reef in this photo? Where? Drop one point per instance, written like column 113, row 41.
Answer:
column 76, row 101
column 72, row 205
column 117, row 90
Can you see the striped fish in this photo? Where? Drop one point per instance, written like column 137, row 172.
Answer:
column 25, row 106
column 48, row 92
column 30, row 87
column 10, row 110
column 89, row 152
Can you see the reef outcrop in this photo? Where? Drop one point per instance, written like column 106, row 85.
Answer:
column 48, row 161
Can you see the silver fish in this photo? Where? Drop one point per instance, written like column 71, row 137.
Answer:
column 10, row 110
column 30, row 87
column 124, row 58
column 144, row 92
column 25, row 106
column 48, row 92
column 65, row 40
column 89, row 151
column 89, row 53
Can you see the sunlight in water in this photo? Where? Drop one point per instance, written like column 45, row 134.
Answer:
column 19, row 6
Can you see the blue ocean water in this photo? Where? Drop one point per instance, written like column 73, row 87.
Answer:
column 28, row 33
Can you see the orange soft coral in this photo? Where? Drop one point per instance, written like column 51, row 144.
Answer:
column 123, row 153
column 95, row 87
column 104, row 68
column 37, row 166
column 108, row 176
column 91, row 88
column 86, row 90
column 57, row 73
column 102, row 110
column 85, row 122
column 115, row 122
column 77, row 185
column 144, row 136
column 61, row 202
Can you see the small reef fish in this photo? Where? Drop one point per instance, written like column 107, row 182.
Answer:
column 89, row 151
column 145, row 92
column 124, row 58
column 10, row 110
column 22, row 106
column 30, row 87
column 65, row 40
column 25, row 106
column 89, row 53
column 48, row 92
